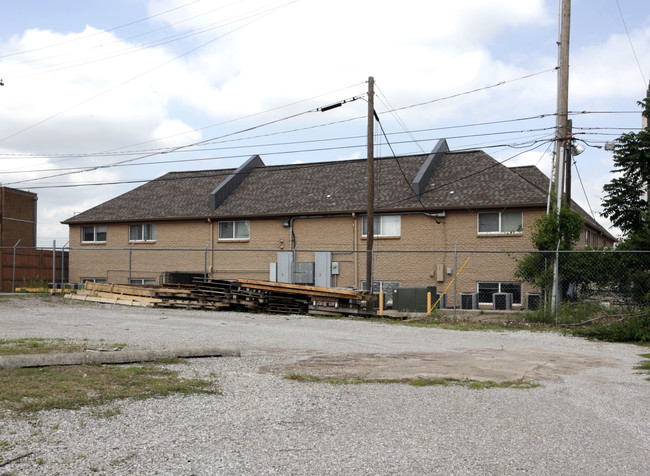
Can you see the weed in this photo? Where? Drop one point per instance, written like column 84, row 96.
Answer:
column 645, row 365
column 106, row 412
column 37, row 346
column 72, row 387
column 40, row 461
column 632, row 328
column 416, row 382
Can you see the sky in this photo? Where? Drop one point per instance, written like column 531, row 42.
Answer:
column 100, row 97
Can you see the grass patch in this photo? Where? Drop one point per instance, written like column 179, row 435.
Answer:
column 416, row 382
column 72, row 387
column 37, row 346
column 645, row 366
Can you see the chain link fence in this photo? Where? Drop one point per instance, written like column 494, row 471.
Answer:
column 458, row 279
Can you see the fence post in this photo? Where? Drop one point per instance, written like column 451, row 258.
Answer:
column 13, row 273
column 63, row 268
column 455, row 271
column 205, row 261
column 53, row 267
column 130, row 260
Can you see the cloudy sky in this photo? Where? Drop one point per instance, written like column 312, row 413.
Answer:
column 100, row 96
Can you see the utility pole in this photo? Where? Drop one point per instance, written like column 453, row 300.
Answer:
column 562, row 118
column 561, row 133
column 567, row 165
column 370, row 229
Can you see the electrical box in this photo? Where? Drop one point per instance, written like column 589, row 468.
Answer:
column 335, row 267
column 412, row 299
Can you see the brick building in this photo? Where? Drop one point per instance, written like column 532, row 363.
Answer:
column 17, row 217
column 254, row 221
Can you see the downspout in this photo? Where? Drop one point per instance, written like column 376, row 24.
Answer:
column 211, row 224
column 354, row 249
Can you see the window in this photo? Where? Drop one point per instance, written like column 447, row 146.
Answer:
column 142, row 232
column 147, row 281
column 234, row 230
column 93, row 280
column 486, row 290
column 500, row 222
column 387, row 287
column 385, row 225
column 93, row 233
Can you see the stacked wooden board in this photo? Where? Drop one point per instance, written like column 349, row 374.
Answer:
column 225, row 294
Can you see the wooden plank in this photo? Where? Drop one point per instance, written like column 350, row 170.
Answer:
column 302, row 289
column 87, row 292
column 132, row 290
column 122, row 302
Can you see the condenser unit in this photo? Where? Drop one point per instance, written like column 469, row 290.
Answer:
column 533, row 301
column 468, row 301
column 502, row 301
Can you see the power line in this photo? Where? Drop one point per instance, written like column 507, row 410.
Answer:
column 98, row 33
column 643, row 76
column 141, row 74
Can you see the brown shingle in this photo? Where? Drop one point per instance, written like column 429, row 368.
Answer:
column 475, row 178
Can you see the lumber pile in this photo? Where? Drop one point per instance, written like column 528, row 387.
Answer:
column 225, row 294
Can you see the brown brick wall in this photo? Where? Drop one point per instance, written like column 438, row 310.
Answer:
column 234, row 258
column 17, row 217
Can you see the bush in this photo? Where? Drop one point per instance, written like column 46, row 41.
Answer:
column 634, row 328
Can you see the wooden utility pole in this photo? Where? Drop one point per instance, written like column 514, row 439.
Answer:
column 561, row 134
column 370, row 229
column 562, row 119
column 567, row 166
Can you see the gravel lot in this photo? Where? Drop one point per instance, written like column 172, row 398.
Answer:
column 590, row 416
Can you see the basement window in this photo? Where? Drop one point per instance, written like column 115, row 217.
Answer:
column 142, row 232
column 234, row 230
column 91, row 234
column 384, row 225
column 500, row 222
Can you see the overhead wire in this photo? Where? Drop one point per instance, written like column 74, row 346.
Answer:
column 186, row 53
column 131, row 50
column 72, row 40
column 629, row 39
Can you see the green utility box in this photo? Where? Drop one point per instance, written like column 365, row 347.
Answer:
column 413, row 299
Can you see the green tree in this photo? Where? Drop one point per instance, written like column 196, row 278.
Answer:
column 626, row 205
column 537, row 268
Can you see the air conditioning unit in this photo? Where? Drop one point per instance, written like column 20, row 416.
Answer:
column 533, row 301
column 442, row 303
column 468, row 301
column 502, row 301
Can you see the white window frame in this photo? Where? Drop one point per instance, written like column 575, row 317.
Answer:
column 147, row 232
column 500, row 223
column 97, row 229
column 143, row 281
column 499, row 290
column 379, row 226
column 93, row 280
column 234, row 236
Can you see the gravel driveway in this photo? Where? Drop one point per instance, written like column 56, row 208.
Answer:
column 591, row 414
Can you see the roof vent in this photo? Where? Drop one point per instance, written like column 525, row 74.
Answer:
column 225, row 188
column 428, row 168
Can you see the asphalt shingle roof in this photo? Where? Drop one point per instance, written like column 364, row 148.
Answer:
column 470, row 179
